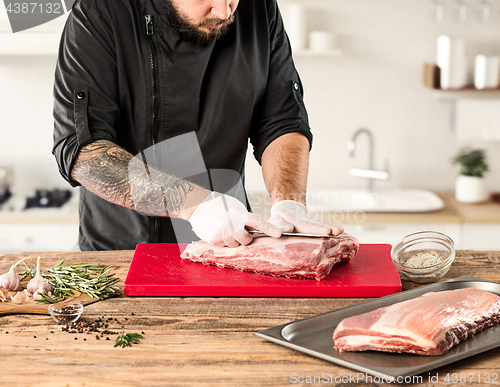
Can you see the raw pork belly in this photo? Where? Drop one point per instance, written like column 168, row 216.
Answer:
column 297, row 257
column 427, row 325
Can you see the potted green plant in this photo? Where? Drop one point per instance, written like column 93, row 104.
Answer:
column 470, row 186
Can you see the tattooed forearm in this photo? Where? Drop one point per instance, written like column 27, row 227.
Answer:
column 115, row 175
column 175, row 195
column 157, row 193
column 102, row 168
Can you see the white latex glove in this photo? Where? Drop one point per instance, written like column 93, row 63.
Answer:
column 290, row 215
column 223, row 224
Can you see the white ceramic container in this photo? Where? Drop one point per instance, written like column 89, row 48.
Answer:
column 487, row 72
column 471, row 189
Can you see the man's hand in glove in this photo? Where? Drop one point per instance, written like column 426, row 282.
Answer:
column 290, row 215
column 221, row 220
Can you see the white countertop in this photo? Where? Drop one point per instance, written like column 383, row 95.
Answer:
column 12, row 212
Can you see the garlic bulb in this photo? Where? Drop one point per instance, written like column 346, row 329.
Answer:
column 20, row 297
column 38, row 281
column 9, row 280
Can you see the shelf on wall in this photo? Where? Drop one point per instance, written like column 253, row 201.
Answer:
column 25, row 43
column 467, row 93
column 431, row 81
column 40, row 40
column 314, row 53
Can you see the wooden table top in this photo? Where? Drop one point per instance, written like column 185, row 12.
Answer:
column 194, row 341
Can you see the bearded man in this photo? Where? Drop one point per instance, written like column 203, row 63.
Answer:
column 132, row 75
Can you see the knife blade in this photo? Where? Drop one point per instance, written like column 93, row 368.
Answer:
column 258, row 234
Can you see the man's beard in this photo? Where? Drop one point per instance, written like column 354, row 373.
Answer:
column 192, row 32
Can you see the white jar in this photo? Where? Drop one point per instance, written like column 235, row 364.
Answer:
column 471, row 189
column 452, row 62
column 486, row 72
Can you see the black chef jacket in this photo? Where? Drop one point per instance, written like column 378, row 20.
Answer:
column 124, row 75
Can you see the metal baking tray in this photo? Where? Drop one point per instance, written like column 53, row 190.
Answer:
column 314, row 336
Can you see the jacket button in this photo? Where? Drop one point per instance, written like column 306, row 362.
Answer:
column 296, row 86
column 80, row 95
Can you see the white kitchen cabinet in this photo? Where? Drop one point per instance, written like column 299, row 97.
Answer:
column 481, row 236
column 391, row 233
column 26, row 237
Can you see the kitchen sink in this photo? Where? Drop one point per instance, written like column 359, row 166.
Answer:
column 397, row 200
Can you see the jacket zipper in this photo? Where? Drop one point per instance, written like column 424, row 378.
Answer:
column 155, row 100
column 154, row 73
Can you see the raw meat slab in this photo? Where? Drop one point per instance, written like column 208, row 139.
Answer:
column 291, row 257
column 428, row 325
column 158, row 270
column 313, row 336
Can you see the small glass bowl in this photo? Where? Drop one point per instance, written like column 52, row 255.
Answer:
column 65, row 313
column 420, row 242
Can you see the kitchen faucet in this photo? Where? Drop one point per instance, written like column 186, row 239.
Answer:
column 369, row 173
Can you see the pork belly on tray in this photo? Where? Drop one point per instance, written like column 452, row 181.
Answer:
column 297, row 257
column 427, row 325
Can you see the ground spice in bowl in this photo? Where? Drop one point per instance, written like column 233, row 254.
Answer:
column 424, row 256
column 424, row 259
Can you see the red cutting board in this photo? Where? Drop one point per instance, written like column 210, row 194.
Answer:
column 158, row 270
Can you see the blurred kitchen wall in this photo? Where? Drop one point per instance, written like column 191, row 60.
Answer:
column 26, row 122
column 26, row 83
column 376, row 83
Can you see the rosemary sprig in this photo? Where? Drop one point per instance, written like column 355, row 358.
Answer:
column 127, row 339
column 95, row 280
column 57, row 296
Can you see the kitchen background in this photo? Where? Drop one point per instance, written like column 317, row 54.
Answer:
column 372, row 77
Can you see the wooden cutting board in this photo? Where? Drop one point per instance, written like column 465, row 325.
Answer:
column 32, row 307
column 158, row 270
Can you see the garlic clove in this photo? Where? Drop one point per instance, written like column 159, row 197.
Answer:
column 37, row 295
column 20, row 297
column 9, row 280
column 3, row 294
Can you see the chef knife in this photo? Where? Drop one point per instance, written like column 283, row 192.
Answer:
column 258, row 234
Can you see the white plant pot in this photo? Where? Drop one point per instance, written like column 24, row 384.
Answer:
column 471, row 189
